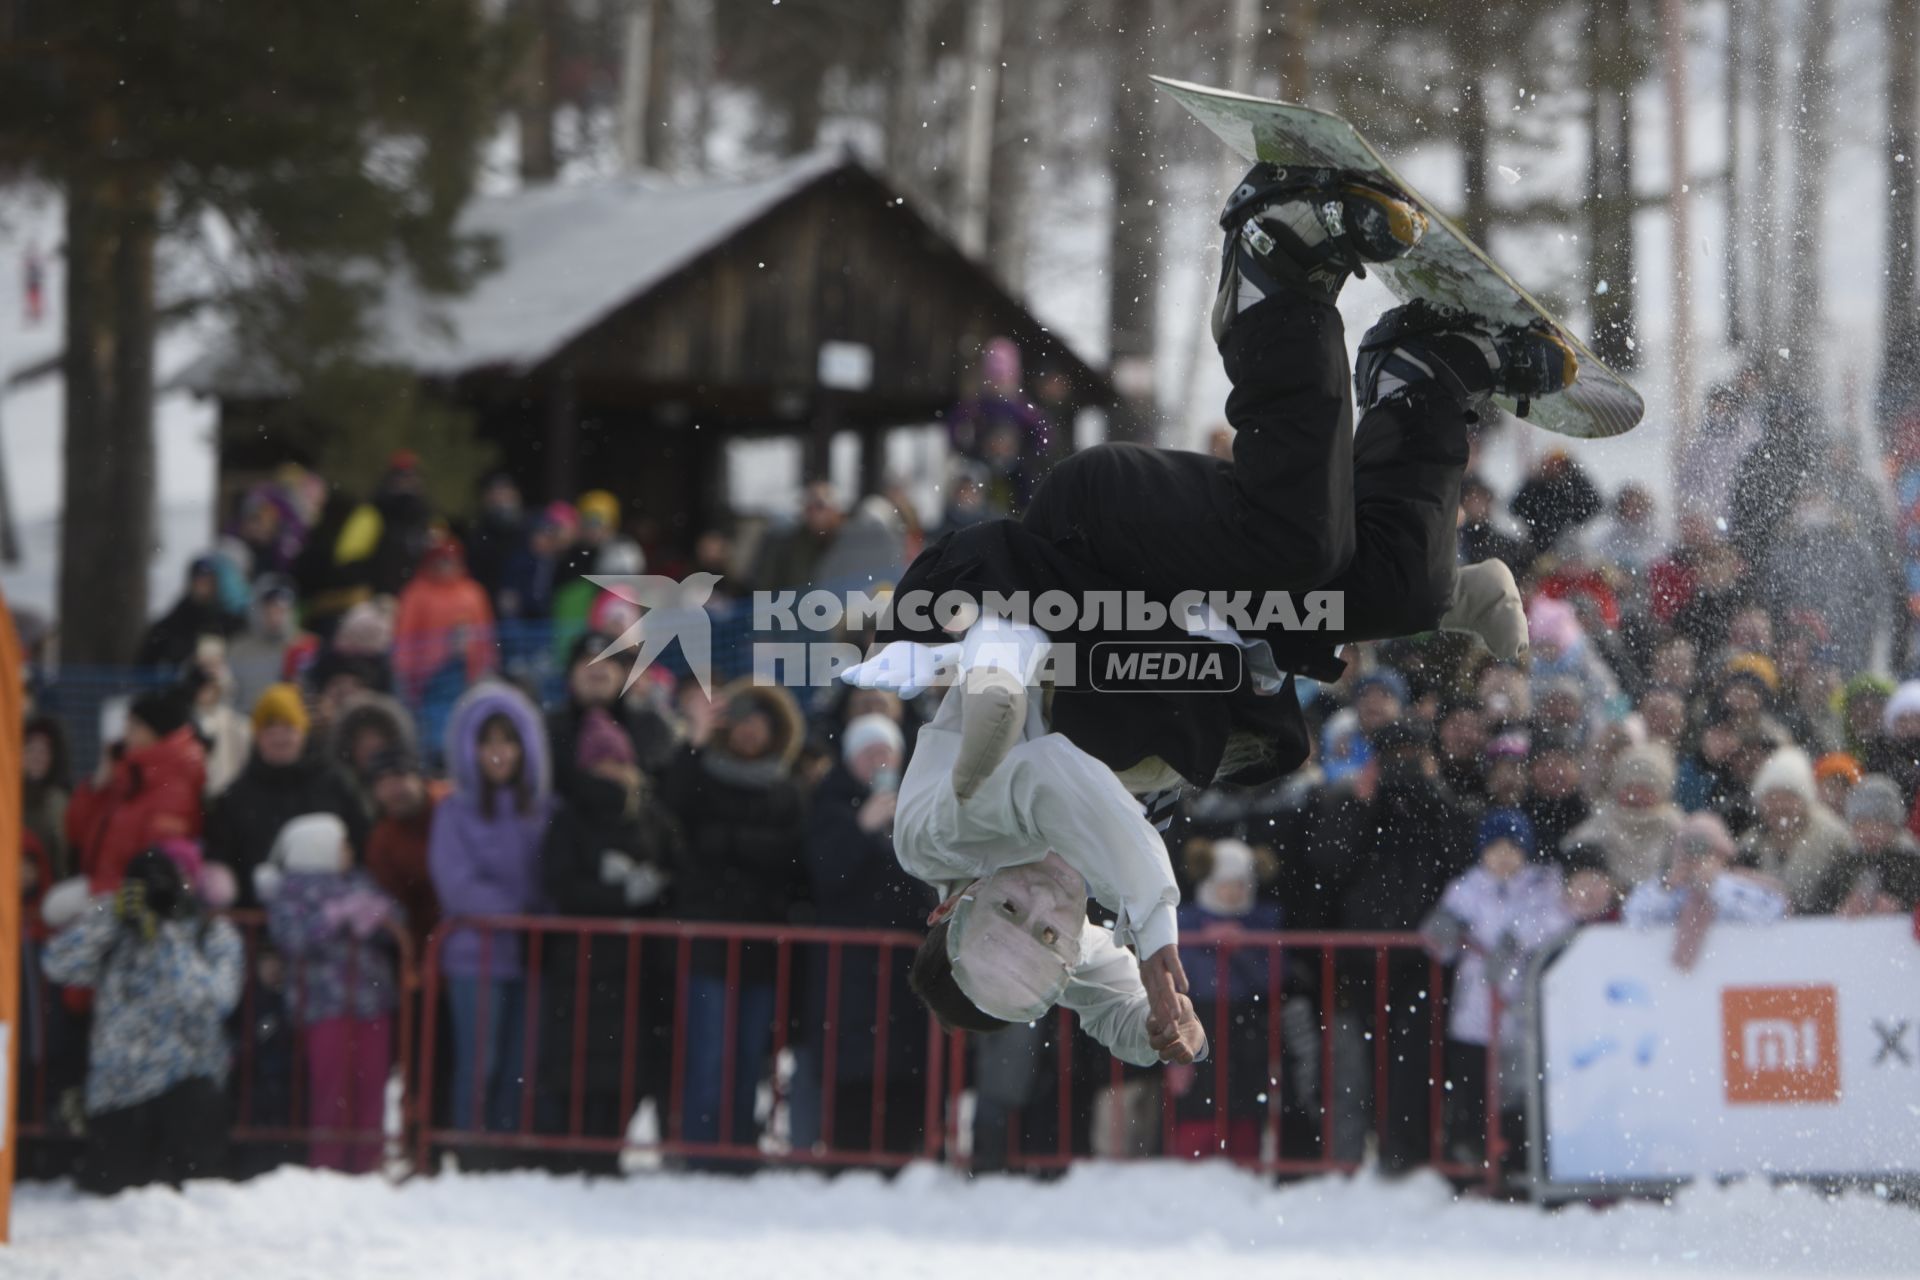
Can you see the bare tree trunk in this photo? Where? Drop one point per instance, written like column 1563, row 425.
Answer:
column 1610, row 264
column 1764, row 220
column 1014, row 146
column 1736, row 330
column 1242, row 36
column 656, row 133
column 1899, row 326
column 636, row 66
column 1680, row 339
column 1813, row 92
column 539, row 87
column 1470, row 32
column 1297, row 24
column 976, row 147
column 1133, row 258
column 106, row 535
column 905, row 145
column 696, row 28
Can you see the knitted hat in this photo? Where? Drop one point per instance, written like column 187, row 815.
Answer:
column 1877, row 798
column 365, row 630
column 312, row 842
column 602, row 741
column 1382, row 678
column 598, row 504
column 280, row 704
column 868, row 730
column 1756, row 667
column 1507, row 824
column 1511, row 745
column 1838, row 764
column 162, row 711
column 1231, row 880
column 1905, row 701
column 1789, row 770
column 1649, row 765
column 557, row 515
column 1552, row 624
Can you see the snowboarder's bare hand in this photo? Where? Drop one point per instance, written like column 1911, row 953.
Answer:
column 1179, row 1038
column 1166, row 981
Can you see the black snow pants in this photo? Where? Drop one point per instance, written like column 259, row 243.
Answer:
column 1306, row 504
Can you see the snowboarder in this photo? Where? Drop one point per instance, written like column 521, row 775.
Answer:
column 1018, row 808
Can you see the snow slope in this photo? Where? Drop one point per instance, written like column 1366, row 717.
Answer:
column 1182, row 1220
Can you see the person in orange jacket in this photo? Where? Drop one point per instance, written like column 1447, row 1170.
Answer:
column 147, row 790
column 443, row 614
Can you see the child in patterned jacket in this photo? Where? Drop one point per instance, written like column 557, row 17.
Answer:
column 165, row 976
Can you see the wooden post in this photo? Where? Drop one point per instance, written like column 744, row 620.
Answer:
column 11, row 712
column 562, row 421
column 1680, row 340
column 873, row 459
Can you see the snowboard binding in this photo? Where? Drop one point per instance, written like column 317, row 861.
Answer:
column 1308, row 229
column 1422, row 342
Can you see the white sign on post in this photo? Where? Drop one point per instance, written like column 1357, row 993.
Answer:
column 1791, row 1048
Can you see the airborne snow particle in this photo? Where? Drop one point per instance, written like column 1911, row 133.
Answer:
column 1600, row 288
column 1786, row 353
column 1510, row 174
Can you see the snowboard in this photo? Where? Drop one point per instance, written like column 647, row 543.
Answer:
column 1445, row 267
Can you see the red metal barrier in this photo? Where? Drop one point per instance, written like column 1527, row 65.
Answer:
column 550, row 1114
column 269, row 979
column 1334, row 970
column 1296, row 1122
column 1350, row 979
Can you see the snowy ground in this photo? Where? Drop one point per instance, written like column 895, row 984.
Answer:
column 1184, row 1221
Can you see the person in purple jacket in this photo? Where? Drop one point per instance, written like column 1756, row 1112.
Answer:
column 484, row 855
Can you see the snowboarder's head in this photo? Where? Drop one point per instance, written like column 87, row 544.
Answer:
column 1001, row 950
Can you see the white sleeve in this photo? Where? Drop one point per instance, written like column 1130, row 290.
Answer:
column 1740, row 900
column 1058, row 796
column 1650, row 904
column 1105, row 993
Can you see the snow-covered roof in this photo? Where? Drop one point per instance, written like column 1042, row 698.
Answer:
column 565, row 256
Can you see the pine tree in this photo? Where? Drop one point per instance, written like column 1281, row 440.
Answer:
column 333, row 145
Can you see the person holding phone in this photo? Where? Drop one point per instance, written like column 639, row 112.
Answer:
column 856, row 882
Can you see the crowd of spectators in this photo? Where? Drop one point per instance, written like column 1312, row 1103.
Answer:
column 1701, row 735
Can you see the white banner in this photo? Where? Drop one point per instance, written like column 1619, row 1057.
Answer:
column 1791, row 1048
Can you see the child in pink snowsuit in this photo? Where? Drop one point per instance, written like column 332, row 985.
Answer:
column 328, row 919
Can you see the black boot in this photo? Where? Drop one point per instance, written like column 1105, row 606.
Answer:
column 1307, row 230
column 1422, row 343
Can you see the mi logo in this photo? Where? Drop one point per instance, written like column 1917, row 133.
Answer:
column 1780, row 1044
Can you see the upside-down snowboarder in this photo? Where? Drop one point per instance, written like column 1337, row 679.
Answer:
column 1021, row 799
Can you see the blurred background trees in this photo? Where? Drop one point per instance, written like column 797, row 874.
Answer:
column 303, row 138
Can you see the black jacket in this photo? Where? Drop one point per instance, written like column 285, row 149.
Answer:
column 593, row 820
column 855, row 882
column 1385, row 863
column 249, row 814
column 741, row 859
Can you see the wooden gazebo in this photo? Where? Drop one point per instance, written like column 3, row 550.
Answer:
column 629, row 328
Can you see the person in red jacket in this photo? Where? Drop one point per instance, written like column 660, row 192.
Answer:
column 397, row 849
column 146, row 791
